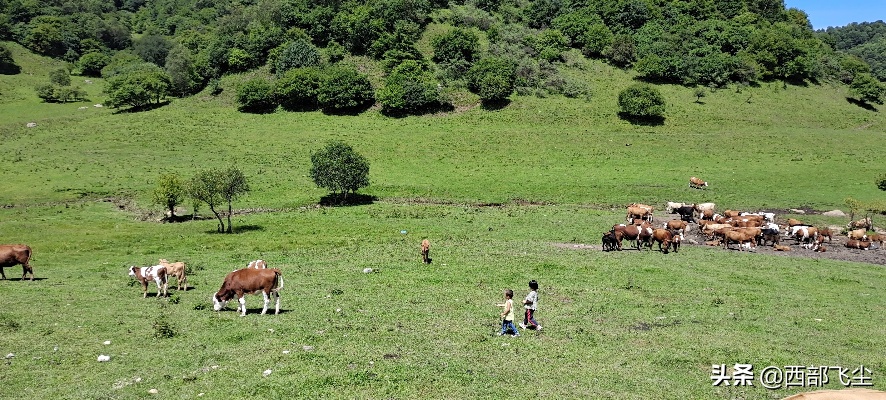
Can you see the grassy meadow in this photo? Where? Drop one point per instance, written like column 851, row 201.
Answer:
column 505, row 196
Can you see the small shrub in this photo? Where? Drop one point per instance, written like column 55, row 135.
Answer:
column 492, row 78
column 641, row 101
column 256, row 96
column 297, row 89
column 61, row 77
column 344, row 90
column 340, row 169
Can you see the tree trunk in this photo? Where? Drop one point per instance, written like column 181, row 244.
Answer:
column 230, row 211
column 221, row 222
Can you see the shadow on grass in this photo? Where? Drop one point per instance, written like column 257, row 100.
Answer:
column 26, row 279
column 494, row 105
column 146, row 107
column 643, row 121
column 236, row 229
column 862, row 104
column 353, row 199
column 431, row 109
column 10, row 69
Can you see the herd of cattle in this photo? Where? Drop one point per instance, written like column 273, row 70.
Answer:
column 744, row 229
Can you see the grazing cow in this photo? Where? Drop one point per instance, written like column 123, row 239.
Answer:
column 740, row 237
column 176, row 269
column 609, row 241
column 671, row 206
column 157, row 273
column 245, row 281
column 14, row 254
column 687, row 213
column 425, row 251
column 865, row 223
column 666, row 239
column 635, row 211
column 697, row 183
column 858, row 234
column 257, row 264
column 859, row 244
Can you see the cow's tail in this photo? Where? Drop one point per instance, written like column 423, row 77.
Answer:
column 279, row 277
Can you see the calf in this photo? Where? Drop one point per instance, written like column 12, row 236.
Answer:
column 697, row 183
column 176, row 269
column 14, row 254
column 877, row 238
column 771, row 233
column 425, row 251
column 245, row 281
column 609, row 241
column 157, row 273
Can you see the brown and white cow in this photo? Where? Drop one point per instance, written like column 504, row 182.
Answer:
column 176, row 269
column 14, row 254
column 697, row 183
column 638, row 234
column 807, row 235
column 157, row 273
column 245, row 281
column 858, row 244
column 425, row 251
column 640, row 211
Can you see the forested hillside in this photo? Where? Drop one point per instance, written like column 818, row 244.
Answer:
column 866, row 40
column 424, row 49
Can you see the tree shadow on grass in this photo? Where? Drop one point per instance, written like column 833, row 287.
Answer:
column 643, row 121
column 494, row 105
column 9, row 69
column 146, row 107
column 431, row 109
column 237, row 229
column 353, row 199
column 862, row 104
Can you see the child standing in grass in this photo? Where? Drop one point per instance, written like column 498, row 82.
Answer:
column 531, row 304
column 507, row 315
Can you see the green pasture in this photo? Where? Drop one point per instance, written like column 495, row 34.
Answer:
column 504, row 196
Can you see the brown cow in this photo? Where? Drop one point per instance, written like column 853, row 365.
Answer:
column 425, row 251
column 858, row 244
column 707, row 215
column 731, row 213
column 877, row 238
column 176, row 269
column 826, row 233
column 858, row 234
column 696, row 183
column 677, row 226
column 844, row 394
column 666, row 239
column 794, row 222
column 629, row 232
column 157, row 273
column 639, row 212
column 737, row 236
column 245, row 281
column 14, row 254
column 779, row 247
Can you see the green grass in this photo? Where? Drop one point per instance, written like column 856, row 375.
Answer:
column 617, row 325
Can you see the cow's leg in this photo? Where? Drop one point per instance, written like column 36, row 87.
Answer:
column 3, row 274
column 277, row 305
column 242, row 306
column 266, row 298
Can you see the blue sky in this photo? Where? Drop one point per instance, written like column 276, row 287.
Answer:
column 825, row 13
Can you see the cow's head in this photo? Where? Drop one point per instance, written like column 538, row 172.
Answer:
column 217, row 304
column 132, row 271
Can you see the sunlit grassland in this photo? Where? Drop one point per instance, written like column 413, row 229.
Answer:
column 502, row 195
